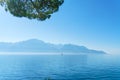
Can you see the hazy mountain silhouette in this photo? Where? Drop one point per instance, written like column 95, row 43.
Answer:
column 35, row 45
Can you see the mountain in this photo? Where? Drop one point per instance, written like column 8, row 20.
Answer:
column 34, row 45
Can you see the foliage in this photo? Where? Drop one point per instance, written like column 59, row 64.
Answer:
column 32, row 9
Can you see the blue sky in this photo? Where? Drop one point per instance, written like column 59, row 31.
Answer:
column 92, row 23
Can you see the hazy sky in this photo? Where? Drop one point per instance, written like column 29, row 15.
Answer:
column 92, row 23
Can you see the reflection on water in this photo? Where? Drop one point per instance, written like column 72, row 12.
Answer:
column 56, row 67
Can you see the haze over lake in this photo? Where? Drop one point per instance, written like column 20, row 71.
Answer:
column 38, row 46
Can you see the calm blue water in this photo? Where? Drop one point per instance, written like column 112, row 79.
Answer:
column 56, row 67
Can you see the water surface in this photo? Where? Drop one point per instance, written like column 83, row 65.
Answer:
column 57, row 67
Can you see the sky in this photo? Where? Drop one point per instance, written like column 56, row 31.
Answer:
column 91, row 23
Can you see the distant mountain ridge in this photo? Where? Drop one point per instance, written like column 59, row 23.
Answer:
column 35, row 45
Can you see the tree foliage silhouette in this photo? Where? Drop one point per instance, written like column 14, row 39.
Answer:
column 32, row 9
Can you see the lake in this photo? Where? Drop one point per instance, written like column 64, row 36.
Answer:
column 58, row 67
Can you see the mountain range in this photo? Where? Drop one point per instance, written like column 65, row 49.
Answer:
column 35, row 45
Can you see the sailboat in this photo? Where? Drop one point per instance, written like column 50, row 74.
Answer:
column 61, row 54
